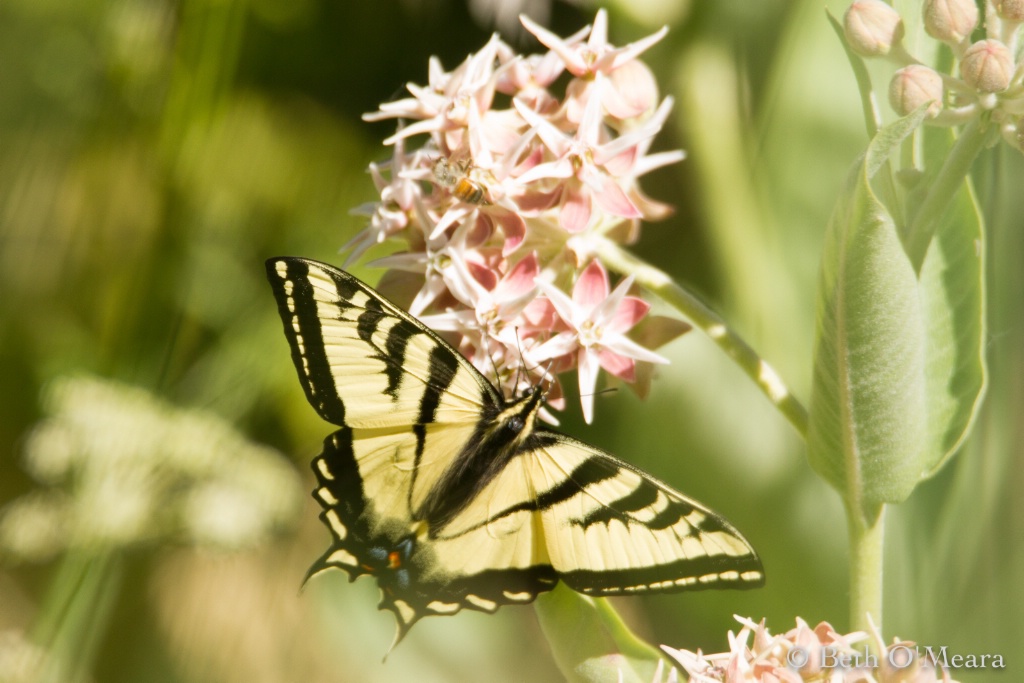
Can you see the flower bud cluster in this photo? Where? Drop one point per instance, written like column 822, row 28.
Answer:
column 503, row 203
column 990, row 74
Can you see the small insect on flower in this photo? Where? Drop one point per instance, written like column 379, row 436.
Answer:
column 461, row 178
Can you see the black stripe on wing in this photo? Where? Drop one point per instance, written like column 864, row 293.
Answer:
column 301, row 313
column 699, row 573
column 589, row 472
column 296, row 302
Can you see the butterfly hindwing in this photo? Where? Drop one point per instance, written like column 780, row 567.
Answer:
column 450, row 496
column 612, row 529
column 477, row 569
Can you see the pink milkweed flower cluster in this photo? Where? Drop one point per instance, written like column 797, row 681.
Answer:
column 809, row 654
column 501, row 205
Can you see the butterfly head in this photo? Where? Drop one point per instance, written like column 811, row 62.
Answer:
column 517, row 420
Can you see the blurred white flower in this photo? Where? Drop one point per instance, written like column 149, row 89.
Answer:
column 20, row 660
column 119, row 466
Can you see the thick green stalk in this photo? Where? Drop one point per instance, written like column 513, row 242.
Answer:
column 866, row 536
column 694, row 310
column 943, row 188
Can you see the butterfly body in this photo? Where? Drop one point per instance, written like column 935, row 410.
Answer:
column 454, row 497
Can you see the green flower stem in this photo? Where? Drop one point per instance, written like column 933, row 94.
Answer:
column 866, row 536
column 974, row 137
column 763, row 375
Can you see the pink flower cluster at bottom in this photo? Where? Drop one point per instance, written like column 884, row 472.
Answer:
column 808, row 654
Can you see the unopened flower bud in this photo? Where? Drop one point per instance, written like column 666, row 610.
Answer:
column 1011, row 10
column 950, row 21
column 914, row 86
column 872, row 28
column 987, row 66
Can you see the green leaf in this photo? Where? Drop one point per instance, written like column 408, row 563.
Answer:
column 868, row 418
column 952, row 302
column 590, row 642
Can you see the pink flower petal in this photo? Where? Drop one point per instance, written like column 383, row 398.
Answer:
column 534, row 202
column 633, row 92
column 540, row 314
column 499, row 131
column 629, row 313
column 512, row 225
column 624, row 346
column 612, row 199
column 617, row 365
column 630, row 52
column 553, row 139
column 482, row 274
column 650, row 209
column 592, row 286
column 574, row 216
column 559, row 169
column 558, row 347
column 573, row 61
column 531, row 160
column 558, row 299
column 598, row 40
column 521, row 278
column 592, row 123
column 621, row 165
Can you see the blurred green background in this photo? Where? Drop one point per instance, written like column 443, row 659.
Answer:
column 154, row 152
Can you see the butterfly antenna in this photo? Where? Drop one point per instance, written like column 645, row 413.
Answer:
column 522, row 361
column 606, row 390
column 522, row 365
column 494, row 366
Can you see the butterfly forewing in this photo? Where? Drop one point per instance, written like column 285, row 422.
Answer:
column 362, row 361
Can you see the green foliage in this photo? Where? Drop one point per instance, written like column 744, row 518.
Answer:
column 898, row 365
column 590, row 642
column 867, row 402
column 952, row 291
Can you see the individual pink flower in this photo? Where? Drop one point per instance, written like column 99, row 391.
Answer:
column 580, row 163
column 390, row 215
column 493, row 301
column 586, row 60
column 438, row 259
column 597, row 322
column 445, row 105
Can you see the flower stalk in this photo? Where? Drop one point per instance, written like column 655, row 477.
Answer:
column 974, row 137
column 705, row 319
column 866, row 532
